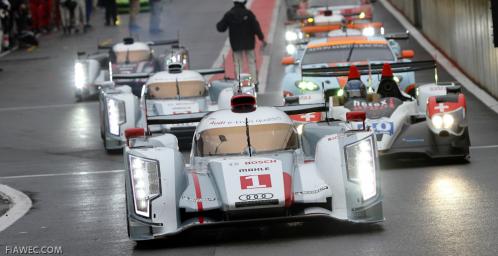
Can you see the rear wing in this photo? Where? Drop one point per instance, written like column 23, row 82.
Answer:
column 197, row 117
column 210, row 71
column 131, row 76
column 108, row 45
column 311, row 29
column 397, row 67
column 398, row 36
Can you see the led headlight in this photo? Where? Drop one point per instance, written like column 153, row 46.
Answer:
column 368, row 31
column 362, row 15
column 437, row 121
column 291, row 49
column 307, row 85
column 79, row 75
column 144, row 182
column 360, row 161
column 291, row 36
column 340, row 92
column 448, row 121
column 116, row 115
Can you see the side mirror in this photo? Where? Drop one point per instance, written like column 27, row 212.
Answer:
column 132, row 133
column 407, row 54
column 289, row 60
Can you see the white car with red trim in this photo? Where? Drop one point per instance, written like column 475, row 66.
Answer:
column 433, row 124
column 249, row 164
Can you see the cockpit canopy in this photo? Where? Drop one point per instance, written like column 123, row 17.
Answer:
column 172, row 89
column 233, row 140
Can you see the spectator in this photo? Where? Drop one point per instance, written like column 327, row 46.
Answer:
column 134, row 9
column 111, row 12
column 156, row 9
column 242, row 27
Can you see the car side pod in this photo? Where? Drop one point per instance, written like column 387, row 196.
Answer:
column 132, row 133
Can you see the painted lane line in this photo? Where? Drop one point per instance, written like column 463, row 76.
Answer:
column 484, row 147
column 20, row 206
column 72, row 105
column 60, row 174
column 265, row 65
column 479, row 93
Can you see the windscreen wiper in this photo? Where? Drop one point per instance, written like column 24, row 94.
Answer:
column 177, row 89
column 248, row 137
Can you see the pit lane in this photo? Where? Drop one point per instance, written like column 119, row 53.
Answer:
column 50, row 149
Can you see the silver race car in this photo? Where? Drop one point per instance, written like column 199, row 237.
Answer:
column 93, row 71
column 249, row 164
column 433, row 123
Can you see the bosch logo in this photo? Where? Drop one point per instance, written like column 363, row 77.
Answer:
column 254, row 197
column 270, row 161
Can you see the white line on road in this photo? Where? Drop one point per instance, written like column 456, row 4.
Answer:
column 71, row 105
column 20, row 206
column 265, row 65
column 479, row 93
column 60, row 174
column 484, row 147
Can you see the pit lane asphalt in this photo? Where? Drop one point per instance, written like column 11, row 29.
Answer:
column 436, row 208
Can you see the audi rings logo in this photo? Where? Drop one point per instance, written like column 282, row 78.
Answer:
column 254, row 197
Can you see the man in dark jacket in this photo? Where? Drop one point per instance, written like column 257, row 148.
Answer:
column 242, row 27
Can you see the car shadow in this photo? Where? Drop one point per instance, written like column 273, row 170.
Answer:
column 259, row 234
column 417, row 161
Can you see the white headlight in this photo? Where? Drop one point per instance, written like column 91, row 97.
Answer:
column 437, row 121
column 291, row 49
column 291, row 36
column 79, row 75
column 368, row 31
column 360, row 159
column 116, row 115
column 144, row 174
column 362, row 15
column 448, row 121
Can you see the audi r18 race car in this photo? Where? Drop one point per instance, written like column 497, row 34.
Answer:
column 434, row 123
column 93, row 71
column 343, row 51
column 250, row 164
column 171, row 92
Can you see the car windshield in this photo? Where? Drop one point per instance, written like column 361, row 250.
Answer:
column 168, row 90
column 132, row 56
column 233, row 140
column 344, row 53
column 320, row 3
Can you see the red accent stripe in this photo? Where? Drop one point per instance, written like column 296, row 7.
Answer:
column 263, row 9
column 198, row 195
column 289, row 198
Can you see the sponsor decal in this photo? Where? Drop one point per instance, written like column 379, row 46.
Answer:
column 316, row 191
column 383, row 127
column 374, row 110
column 335, row 137
column 215, row 122
column 256, row 169
column 441, row 107
column 308, row 117
column 255, row 181
column 254, row 197
column 196, row 200
column 269, row 161
column 310, row 98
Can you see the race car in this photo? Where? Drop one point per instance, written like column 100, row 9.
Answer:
column 433, row 123
column 171, row 92
column 318, row 10
column 250, row 164
column 343, row 51
column 93, row 71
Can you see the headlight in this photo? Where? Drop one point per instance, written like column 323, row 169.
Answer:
column 144, row 183
column 448, row 121
column 340, row 92
column 360, row 162
column 291, row 36
column 362, row 15
column 437, row 121
column 307, row 85
column 79, row 75
column 291, row 49
column 116, row 115
column 310, row 20
column 368, row 31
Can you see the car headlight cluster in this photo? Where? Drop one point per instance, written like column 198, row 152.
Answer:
column 79, row 75
column 307, row 85
column 368, row 31
column 291, row 49
column 145, row 183
column 291, row 36
column 116, row 115
column 360, row 160
column 445, row 121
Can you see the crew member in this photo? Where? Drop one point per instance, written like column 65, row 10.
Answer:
column 355, row 88
column 242, row 28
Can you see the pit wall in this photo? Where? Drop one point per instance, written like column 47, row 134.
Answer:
column 462, row 29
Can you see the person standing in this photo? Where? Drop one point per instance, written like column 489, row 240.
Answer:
column 242, row 27
column 134, row 10
column 156, row 9
column 111, row 12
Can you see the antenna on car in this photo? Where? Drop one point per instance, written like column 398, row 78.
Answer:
column 248, row 137
column 325, row 102
column 177, row 89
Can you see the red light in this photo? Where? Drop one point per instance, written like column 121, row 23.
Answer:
column 242, row 103
column 358, row 116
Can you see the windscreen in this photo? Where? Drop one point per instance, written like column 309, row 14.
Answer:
column 132, row 56
column 169, row 90
column 321, row 3
column 347, row 53
column 233, row 140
